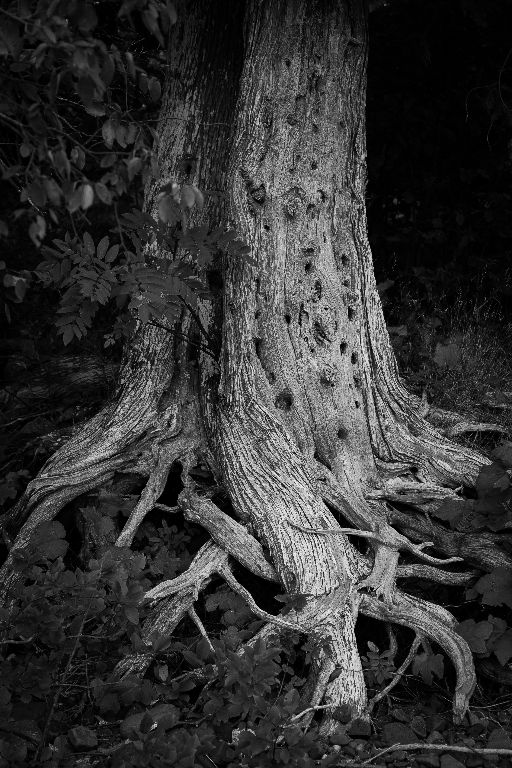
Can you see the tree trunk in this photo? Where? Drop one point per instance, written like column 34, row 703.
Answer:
column 301, row 416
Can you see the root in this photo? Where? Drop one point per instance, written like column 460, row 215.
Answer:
column 435, row 574
column 479, row 549
column 229, row 535
column 178, row 597
column 164, row 457
column 436, row 623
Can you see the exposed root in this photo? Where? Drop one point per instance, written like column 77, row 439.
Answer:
column 476, row 548
column 229, row 535
column 227, row 574
column 467, row 427
column 209, row 560
column 178, row 597
column 397, row 676
column 165, row 456
column 434, row 622
column 419, row 495
column 429, row 573
column 383, row 536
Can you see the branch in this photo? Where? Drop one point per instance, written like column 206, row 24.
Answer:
column 434, row 622
column 397, row 676
column 165, row 456
column 439, row 748
column 418, row 571
column 209, row 560
column 235, row 585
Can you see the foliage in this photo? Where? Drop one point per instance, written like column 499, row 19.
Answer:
column 77, row 108
column 378, row 667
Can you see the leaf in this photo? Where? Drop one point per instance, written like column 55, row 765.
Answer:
column 503, row 452
column 492, row 480
column 48, row 540
column 335, row 674
column 167, row 210
column 476, row 634
column 495, row 587
column 53, row 191
column 427, row 665
column 103, row 193
column 102, row 247
column 108, row 131
column 499, row 739
column 503, row 648
column 87, row 196
column 108, row 160
column 36, row 194
column 37, row 231
column 89, row 244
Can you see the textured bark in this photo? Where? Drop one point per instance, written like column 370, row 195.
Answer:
column 302, row 416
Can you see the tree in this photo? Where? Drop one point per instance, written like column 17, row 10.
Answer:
column 281, row 380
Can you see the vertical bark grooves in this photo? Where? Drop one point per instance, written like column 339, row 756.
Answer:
column 307, row 370
column 265, row 400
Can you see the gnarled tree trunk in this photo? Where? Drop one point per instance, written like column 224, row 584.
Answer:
column 300, row 413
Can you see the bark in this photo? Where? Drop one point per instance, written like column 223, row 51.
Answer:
column 301, row 416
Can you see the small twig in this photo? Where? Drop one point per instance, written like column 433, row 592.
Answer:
column 226, row 573
column 415, row 549
column 199, row 624
column 197, row 320
column 17, row 642
column 183, row 336
column 397, row 676
column 27, row 417
column 438, row 748
column 312, row 709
